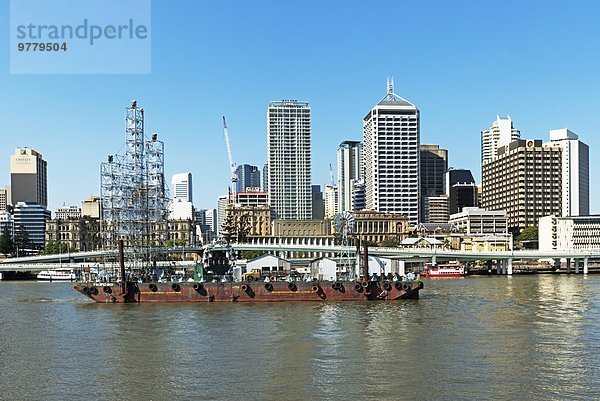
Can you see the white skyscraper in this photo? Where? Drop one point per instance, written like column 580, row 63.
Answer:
column 289, row 159
column 500, row 134
column 575, row 172
column 350, row 170
column 181, row 187
column 391, row 156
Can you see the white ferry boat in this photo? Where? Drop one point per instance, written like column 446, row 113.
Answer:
column 57, row 275
column 444, row 270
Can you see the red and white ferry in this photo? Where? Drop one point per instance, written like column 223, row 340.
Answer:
column 452, row 269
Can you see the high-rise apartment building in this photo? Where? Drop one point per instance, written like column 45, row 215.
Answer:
column 524, row 179
column 289, row 159
column 434, row 164
column 248, row 177
column 349, row 171
column 575, row 172
column 28, row 177
column 501, row 133
column 331, row 201
column 265, row 181
column 181, row 187
column 391, row 156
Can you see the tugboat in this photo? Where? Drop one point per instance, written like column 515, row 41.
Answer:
column 225, row 289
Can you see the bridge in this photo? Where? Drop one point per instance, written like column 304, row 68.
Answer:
column 504, row 259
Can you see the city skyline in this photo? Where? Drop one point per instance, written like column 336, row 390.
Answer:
column 539, row 90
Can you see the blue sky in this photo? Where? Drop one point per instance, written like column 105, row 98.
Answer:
column 460, row 62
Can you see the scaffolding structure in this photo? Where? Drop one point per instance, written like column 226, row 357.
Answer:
column 133, row 193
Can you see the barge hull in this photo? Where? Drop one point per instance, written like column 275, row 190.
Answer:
column 249, row 291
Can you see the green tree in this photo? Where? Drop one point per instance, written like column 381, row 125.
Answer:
column 22, row 238
column 53, row 248
column 528, row 234
column 389, row 243
column 252, row 254
column 7, row 246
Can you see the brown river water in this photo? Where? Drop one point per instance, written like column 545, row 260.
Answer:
column 478, row 338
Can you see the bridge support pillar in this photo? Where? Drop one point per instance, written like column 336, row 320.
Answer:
column 503, row 262
column 568, row 265
column 510, row 267
column 498, row 267
column 434, row 259
column 576, row 266
column 585, row 265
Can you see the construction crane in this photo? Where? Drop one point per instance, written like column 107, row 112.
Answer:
column 331, row 174
column 234, row 177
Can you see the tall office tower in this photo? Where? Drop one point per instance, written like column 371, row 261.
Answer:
column 434, row 164
column 3, row 199
column 265, row 181
column 248, row 177
column 181, row 185
column 358, row 195
column 288, row 158
column 391, row 156
column 210, row 219
column 349, row 169
column 28, row 177
column 524, row 179
column 501, row 133
column 461, row 190
column 575, row 172
column 331, row 201
column 318, row 203
column 32, row 218
column 222, row 202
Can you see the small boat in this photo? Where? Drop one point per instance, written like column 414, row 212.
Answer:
column 453, row 269
column 57, row 275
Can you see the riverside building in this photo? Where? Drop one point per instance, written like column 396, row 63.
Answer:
column 524, row 179
column 391, row 155
column 569, row 233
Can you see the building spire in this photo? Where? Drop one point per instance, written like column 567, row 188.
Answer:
column 390, row 87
